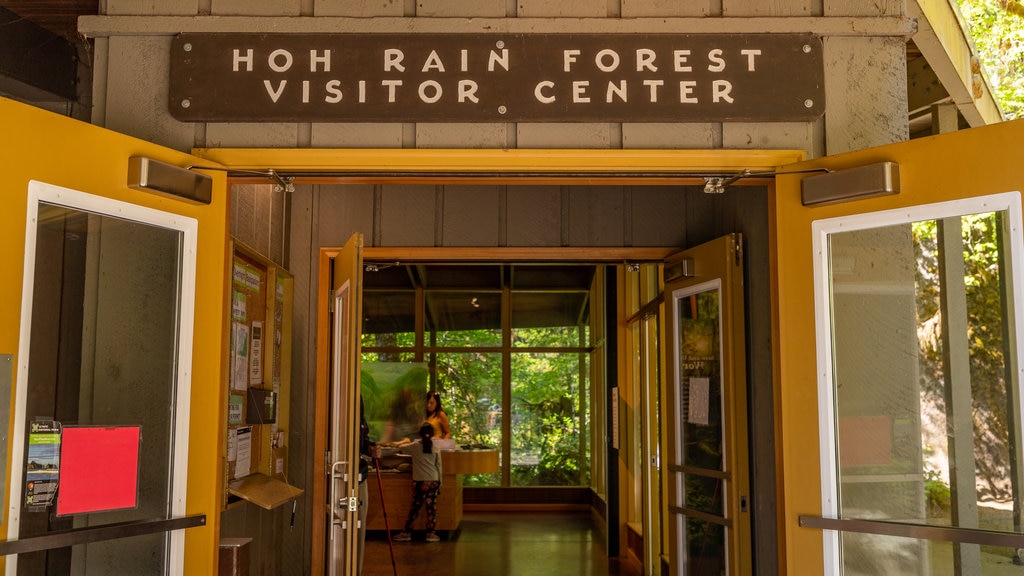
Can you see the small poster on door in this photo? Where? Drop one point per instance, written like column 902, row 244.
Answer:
column 99, row 469
column 43, row 470
column 700, row 401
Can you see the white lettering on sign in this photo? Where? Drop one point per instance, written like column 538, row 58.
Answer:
column 540, row 92
column 323, row 58
column 720, row 90
column 393, row 60
column 433, row 62
column 681, row 56
column 280, row 60
column 750, row 58
column 716, row 62
column 616, row 90
column 275, row 95
column 238, row 58
column 607, row 60
column 643, row 62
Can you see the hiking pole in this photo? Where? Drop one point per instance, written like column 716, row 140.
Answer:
column 384, row 511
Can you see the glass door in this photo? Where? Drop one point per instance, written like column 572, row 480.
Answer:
column 911, row 463
column 110, row 290
column 707, row 445
column 921, row 399
column 343, row 447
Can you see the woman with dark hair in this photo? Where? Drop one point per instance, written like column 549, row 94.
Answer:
column 437, row 417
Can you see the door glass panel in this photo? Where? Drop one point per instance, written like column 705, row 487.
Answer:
column 705, row 548
column 700, row 381
column 698, row 321
column 924, row 389
column 104, row 351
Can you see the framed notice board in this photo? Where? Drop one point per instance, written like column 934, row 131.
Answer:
column 259, row 370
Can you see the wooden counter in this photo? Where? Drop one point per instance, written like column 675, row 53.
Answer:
column 469, row 461
column 398, row 500
column 398, row 491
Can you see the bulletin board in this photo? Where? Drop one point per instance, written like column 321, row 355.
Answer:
column 245, row 360
column 258, row 379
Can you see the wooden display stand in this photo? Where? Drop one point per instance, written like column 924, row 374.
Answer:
column 259, row 369
column 398, row 491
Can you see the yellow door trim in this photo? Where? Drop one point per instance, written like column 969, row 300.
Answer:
column 539, row 163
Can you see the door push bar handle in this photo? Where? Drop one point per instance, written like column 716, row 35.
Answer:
column 919, row 531
column 337, row 468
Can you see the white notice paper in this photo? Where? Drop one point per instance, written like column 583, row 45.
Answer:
column 699, row 401
column 243, row 452
column 240, row 356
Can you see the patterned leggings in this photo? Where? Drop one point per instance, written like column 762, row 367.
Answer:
column 424, row 492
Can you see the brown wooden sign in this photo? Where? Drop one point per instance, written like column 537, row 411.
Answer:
column 496, row 77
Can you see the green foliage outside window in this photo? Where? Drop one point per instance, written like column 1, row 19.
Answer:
column 983, row 266
column 549, row 412
column 997, row 27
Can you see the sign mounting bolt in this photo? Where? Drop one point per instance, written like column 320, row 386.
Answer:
column 807, row 48
column 499, row 44
column 187, row 47
column 185, row 103
column 502, row 109
column 808, row 103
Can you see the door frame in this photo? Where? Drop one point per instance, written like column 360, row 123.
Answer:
column 487, row 166
column 412, row 255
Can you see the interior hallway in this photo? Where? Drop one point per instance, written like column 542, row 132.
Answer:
column 499, row 544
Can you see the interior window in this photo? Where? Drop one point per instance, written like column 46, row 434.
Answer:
column 507, row 346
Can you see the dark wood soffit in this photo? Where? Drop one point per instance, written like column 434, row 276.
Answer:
column 57, row 16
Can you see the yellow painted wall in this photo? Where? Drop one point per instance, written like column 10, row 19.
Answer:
column 39, row 145
column 972, row 162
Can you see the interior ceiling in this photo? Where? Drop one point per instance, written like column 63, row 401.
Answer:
column 61, row 18
column 468, row 296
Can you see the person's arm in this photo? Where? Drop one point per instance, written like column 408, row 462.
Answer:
column 446, row 430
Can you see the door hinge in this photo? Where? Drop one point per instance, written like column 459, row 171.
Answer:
column 327, row 463
column 738, row 250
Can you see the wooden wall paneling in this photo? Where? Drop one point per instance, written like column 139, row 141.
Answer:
column 339, row 212
column 408, row 215
column 533, row 215
column 658, row 215
column 472, row 216
column 595, row 216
